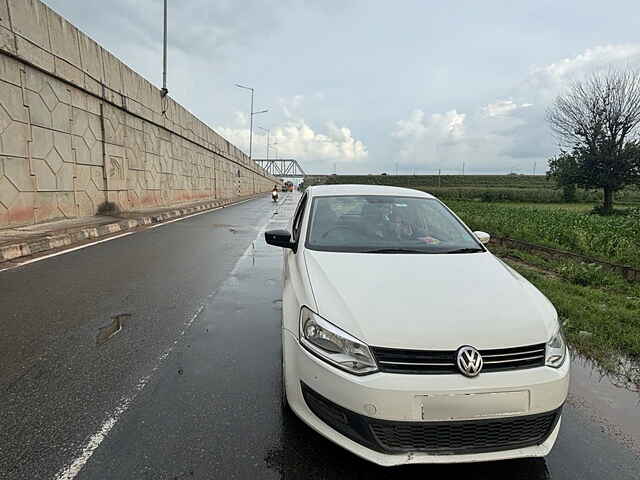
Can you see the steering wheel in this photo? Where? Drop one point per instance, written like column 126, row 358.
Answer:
column 337, row 227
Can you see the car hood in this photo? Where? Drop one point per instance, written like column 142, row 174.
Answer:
column 430, row 302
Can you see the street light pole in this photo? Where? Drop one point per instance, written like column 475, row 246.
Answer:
column 164, row 90
column 251, row 119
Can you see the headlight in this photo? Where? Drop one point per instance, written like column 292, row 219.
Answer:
column 556, row 350
column 333, row 345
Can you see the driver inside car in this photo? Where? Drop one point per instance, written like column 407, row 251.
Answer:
column 400, row 224
column 375, row 220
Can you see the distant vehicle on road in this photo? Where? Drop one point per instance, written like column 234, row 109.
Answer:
column 406, row 341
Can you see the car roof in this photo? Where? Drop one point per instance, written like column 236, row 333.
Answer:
column 329, row 190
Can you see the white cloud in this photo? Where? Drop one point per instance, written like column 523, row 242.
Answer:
column 507, row 134
column 546, row 82
column 423, row 136
column 591, row 59
column 503, row 107
column 444, row 140
column 296, row 139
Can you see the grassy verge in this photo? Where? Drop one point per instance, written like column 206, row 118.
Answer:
column 600, row 310
column 614, row 238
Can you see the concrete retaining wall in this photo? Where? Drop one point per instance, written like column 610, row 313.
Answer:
column 79, row 128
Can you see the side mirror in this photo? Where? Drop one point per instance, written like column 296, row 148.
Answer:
column 484, row 237
column 279, row 238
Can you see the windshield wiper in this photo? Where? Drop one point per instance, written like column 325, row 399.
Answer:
column 465, row 250
column 394, row 250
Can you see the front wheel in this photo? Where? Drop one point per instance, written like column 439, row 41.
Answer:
column 283, row 395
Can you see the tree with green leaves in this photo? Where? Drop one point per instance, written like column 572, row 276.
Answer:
column 597, row 122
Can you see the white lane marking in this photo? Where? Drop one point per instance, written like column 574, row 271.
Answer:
column 97, row 438
column 62, row 252
column 94, row 441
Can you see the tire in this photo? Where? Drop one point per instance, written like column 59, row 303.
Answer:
column 286, row 409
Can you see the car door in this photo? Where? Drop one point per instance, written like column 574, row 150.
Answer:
column 296, row 288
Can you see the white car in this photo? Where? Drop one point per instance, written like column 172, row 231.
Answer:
column 406, row 341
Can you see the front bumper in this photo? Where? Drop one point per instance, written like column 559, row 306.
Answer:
column 387, row 407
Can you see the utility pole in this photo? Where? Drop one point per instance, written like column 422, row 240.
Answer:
column 164, row 90
column 463, row 167
column 251, row 119
column 534, row 168
column 439, row 172
column 396, row 169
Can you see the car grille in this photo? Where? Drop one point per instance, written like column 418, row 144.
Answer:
column 438, row 438
column 444, row 361
column 464, row 436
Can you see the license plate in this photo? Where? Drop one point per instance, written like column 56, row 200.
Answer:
column 473, row 405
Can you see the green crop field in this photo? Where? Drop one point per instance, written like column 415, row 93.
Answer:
column 485, row 188
column 415, row 181
column 615, row 238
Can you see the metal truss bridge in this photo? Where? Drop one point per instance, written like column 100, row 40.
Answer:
column 282, row 167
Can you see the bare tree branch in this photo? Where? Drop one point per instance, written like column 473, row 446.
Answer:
column 597, row 122
column 605, row 106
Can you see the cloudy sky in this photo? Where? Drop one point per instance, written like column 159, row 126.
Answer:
column 365, row 86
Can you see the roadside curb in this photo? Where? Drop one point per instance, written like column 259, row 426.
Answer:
column 39, row 245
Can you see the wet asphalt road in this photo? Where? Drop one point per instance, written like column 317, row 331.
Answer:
column 190, row 387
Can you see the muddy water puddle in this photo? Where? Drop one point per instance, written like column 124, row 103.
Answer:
column 611, row 401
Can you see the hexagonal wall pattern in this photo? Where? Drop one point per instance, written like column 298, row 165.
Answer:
column 54, row 160
column 5, row 119
column 8, row 192
column 82, row 128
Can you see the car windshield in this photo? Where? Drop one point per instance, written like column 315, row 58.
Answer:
column 386, row 224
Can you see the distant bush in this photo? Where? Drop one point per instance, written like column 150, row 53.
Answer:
column 415, row 181
column 486, row 188
column 530, row 195
column 533, row 195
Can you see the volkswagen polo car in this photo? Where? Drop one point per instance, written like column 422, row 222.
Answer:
column 405, row 340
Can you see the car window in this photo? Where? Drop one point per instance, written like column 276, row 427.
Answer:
column 370, row 223
column 297, row 219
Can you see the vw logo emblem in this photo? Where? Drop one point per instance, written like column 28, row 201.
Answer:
column 469, row 361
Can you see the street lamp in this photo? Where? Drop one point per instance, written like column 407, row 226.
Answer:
column 164, row 91
column 251, row 118
column 268, row 133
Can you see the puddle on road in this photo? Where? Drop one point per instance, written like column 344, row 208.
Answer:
column 234, row 228
column 109, row 331
column 612, row 401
